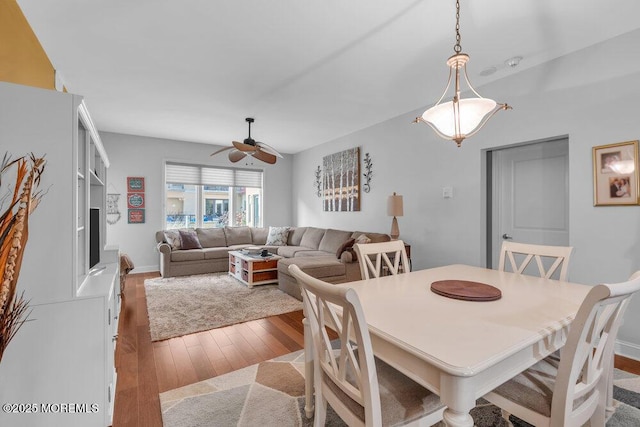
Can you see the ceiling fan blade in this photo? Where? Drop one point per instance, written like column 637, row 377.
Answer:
column 221, row 150
column 264, row 156
column 243, row 147
column 269, row 149
column 236, row 156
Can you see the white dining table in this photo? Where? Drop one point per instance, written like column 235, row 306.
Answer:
column 458, row 349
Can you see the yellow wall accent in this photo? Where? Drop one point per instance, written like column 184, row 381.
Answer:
column 22, row 58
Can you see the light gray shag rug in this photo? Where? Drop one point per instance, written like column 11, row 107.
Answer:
column 271, row 394
column 183, row 305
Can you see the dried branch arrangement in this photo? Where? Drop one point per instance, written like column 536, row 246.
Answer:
column 15, row 207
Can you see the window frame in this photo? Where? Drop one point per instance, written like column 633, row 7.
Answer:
column 240, row 175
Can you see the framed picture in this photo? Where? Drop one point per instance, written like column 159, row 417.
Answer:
column 341, row 181
column 615, row 174
column 136, row 216
column 135, row 184
column 135, row 200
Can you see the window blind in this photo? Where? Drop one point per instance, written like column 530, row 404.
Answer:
column 176, row 173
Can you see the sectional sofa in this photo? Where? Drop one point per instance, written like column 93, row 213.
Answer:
column 322, row 253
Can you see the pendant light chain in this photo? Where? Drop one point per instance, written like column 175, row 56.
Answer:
column 457, row 48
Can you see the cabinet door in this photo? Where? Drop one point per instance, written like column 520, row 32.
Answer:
column 61, row 355
column 40, row 121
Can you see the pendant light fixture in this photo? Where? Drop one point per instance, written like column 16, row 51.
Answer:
column 459, row 118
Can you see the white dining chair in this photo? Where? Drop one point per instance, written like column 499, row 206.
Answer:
column 520, row 256
column 573, row 389
column 390, row 257
column 347, row 376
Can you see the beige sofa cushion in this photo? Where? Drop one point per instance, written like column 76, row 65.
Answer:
column 312, row 253
column 333, row 239
column 291, row 251
column 259, row 235
column 238, row 235
column 211, row 237
column 187, row 255
column 295, row 235
column 319, row 266
column 216, row 253
column 312, row 237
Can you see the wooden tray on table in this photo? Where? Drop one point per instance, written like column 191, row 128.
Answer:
column 466, row 290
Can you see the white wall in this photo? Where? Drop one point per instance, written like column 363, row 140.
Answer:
column 591, row 96
column 142, row 156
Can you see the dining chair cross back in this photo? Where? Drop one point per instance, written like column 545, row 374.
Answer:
column 347, row 375
column 557, row 255
column 572, row 390
column 390, row 256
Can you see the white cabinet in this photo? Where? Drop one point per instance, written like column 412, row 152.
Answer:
column 62, row 360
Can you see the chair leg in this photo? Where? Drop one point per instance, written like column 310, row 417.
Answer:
column 321, row 410
column 505, row 416
column 308, row 369
column 609, row 404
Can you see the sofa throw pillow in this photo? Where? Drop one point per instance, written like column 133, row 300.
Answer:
column 344, row 247
column 173, row 239
column 189, row 239
column 363, row 239
column 277, row 236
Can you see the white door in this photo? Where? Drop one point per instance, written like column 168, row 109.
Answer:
column 530, row 195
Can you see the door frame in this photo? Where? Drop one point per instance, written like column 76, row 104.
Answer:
column 486, row 198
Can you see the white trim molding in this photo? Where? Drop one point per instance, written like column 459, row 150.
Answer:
column 627, row 349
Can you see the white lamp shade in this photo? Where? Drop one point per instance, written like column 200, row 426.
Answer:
column 472, row 113
column 394, row 205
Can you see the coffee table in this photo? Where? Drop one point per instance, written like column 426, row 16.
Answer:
column 253, row 270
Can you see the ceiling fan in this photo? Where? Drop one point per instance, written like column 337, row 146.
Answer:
column 251, row 147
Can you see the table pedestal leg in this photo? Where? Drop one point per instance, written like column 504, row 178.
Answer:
column 458, row 394
column 457, row 419
column 308, row 369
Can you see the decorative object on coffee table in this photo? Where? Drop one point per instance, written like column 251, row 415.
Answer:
column 395, row 209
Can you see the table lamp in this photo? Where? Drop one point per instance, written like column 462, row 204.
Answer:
column 394, row 209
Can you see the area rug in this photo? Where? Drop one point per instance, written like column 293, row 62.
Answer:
column 271, row 394
column 183, row 305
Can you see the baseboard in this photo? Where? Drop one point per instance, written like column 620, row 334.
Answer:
column 145, row 269
column 627, row 349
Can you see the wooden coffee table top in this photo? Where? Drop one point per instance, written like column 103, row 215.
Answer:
column 257, row 257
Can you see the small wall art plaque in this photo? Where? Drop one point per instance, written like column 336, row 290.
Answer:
column 136, row 216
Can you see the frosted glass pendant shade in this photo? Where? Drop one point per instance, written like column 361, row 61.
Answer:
column 457, row 120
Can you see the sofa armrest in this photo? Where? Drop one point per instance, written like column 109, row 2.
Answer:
column 347, row 258
column 164, row 248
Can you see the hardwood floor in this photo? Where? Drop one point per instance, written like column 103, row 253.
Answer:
column 146, row 369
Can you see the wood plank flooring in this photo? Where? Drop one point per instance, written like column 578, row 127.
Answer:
column 146, row 369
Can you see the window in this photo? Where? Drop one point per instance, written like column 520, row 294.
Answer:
column 204, row 196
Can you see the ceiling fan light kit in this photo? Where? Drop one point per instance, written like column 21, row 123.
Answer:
column 250, row 147
column 459, row 118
